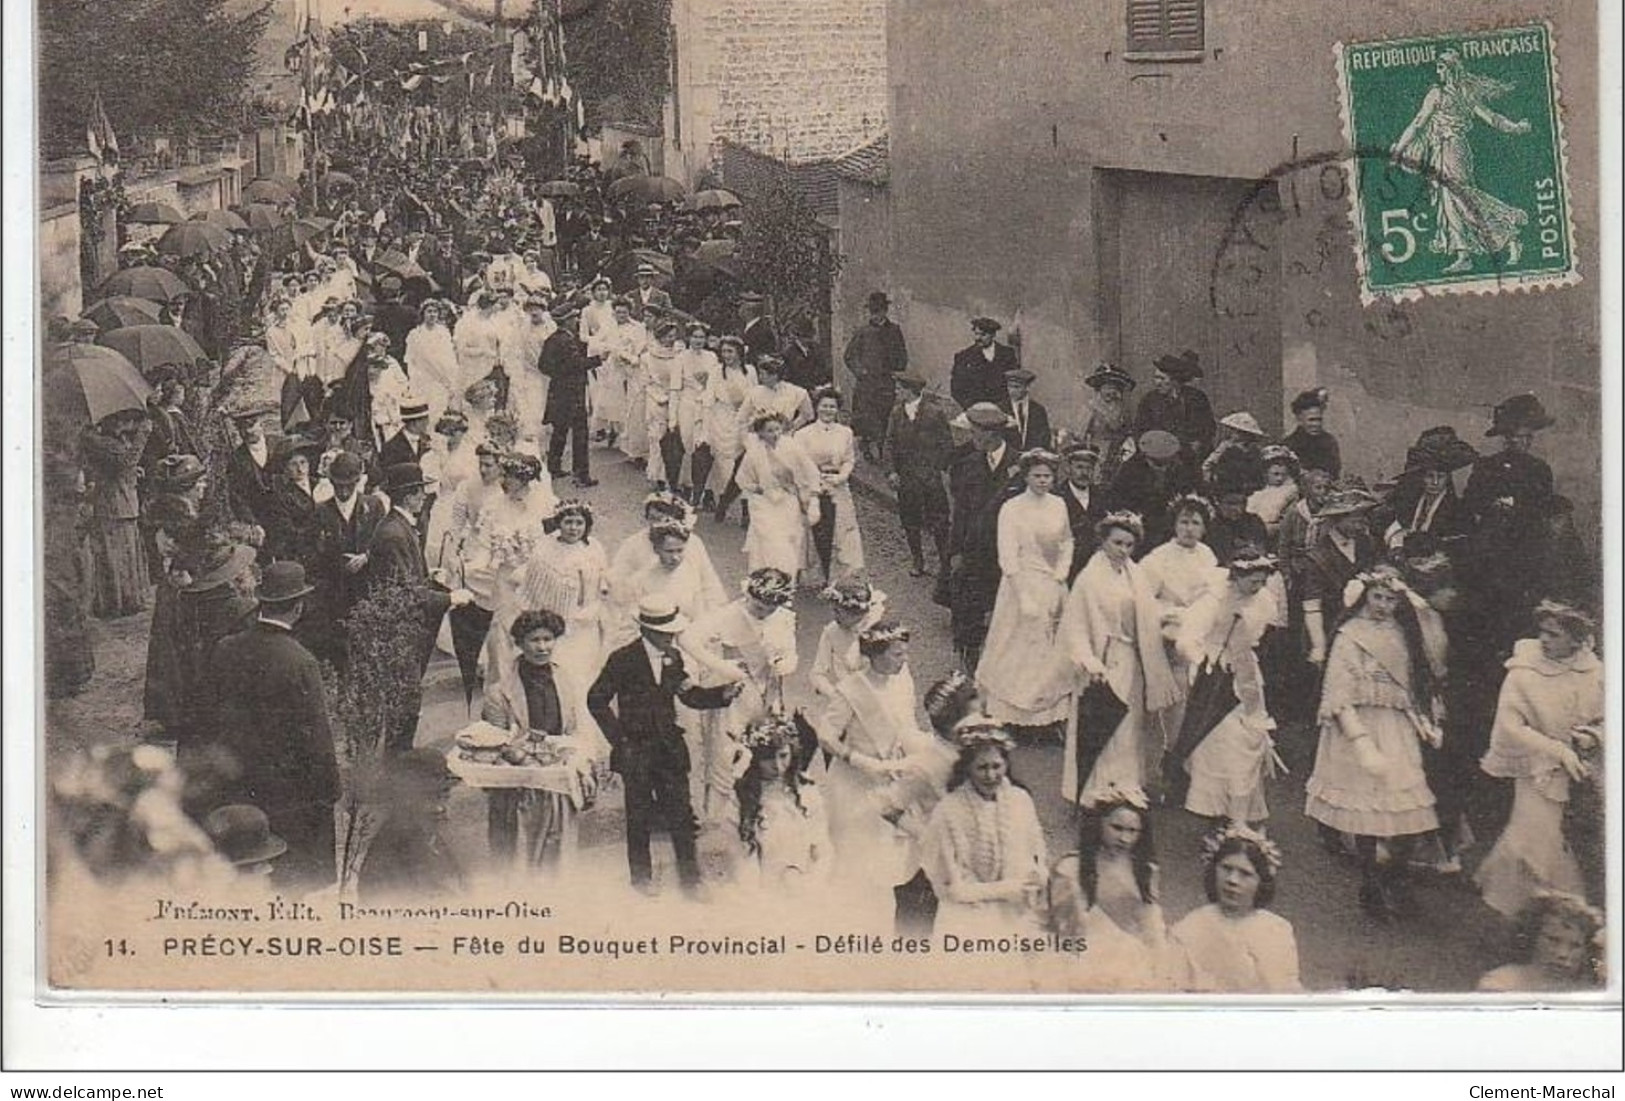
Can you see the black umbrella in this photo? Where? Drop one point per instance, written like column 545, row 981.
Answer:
column 1099, row 713
column 806, row 743
column 1212, row 696
column 469, row 625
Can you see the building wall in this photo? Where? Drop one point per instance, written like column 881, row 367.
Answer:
column 1007, row 209
column 802, row 81
column 864, row 241
column 60, row 290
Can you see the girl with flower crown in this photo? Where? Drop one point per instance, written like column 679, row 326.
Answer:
column 854, row 607
column 984, row 849
column 1236, row 944
column 567, row 574
column 1224, row 627
column 781, row 813
column 1179, row 573
column 1376, row 710
column 1106, row 893
column 1550, row 708
column 1557, row 946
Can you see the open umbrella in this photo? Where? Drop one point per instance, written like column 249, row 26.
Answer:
column 558, row 189
column 338, row 179
column 262, row 216
column 397, row 262
column 225, row 219
column 308, row 229
column 88, row 383
column 714, row 198
column 659, row 260
column 647, row 189
column 268, row 191
column 155, row 214
column 193, row 239
column 717, row 248
column 121, row 310
column 149, row 346
column 145, row 281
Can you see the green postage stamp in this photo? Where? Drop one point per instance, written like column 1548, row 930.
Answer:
column 1460, row 170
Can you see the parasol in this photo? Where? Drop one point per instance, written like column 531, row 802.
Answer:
column 397, row 263
column 145, row 281
column 225, row 219
column 558, row 189
column 86, row 382
column 469, row 626
column 1099, row 713
column 268, row 191
column 262, row 216
column 308, row 229
column 647, row 189
column 714, row 198
column 155, row 214
column 150, row 345
column 717, row 248
column 339, row 179
column 193, row 239
column 121, row 310
column 661, row 262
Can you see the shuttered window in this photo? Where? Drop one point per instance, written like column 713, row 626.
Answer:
column 1165, row 26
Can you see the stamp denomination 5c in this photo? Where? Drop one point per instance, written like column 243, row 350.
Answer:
column 1461, row 183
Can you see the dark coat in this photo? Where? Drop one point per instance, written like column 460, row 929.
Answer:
column 270, row 711
column 396, row 552
column 1449, row 521
column 1224, row 536
column 1140, row 487
column 875, row 355
column 920, row 450
column 656, row 302
column 337, row 591
column 1082, row 521
column 290, row 533
column 186, row 628
column 977, row 494
column 974, row 379
column 1188, row 415
column 395, row 320
column 564, row 360
column 401, row 448
column 171, row 435
column 642, row 727
column 1037, row 432
column 250, row 486
column 1316, row 452
column 806, row 366
column 760, row 337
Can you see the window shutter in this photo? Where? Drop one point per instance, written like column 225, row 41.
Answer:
column 1163, row 26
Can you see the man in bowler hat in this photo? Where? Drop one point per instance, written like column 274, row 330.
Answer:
column 565, row 363
column 875, row 355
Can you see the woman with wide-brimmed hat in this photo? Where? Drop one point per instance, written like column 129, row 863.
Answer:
column 1345, row 548
column 1176, row 406
column 1425, row 498
column 1108, row 421
column 290, row 529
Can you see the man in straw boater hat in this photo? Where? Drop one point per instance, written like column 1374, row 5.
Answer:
column 271, row 715
column 979, row 482
column 1084, row 500
column 396, row 552
column 648, row 299
column 919, row 447
column 634, row 703
column 875, row 355
column 978, row 370
column 1177, row 407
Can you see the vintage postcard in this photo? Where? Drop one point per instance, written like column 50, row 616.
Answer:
column 601, row 498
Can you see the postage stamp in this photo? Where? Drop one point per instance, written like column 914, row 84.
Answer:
column 1460, row 180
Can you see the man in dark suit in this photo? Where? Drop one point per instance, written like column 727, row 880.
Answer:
column 978, row 371
column 919, row 446
column 1084, row 502
column 408, row 445
column 392, row 317
column 248, row 469
column 979, row 480
column 345, row 524
column 875, row 355
column 1031, row 420
column 756, row 328
column 271, row 715
column 396, row 553
column 564, row 360
column 648, row 300
column 1147, row 481
column 642, row 680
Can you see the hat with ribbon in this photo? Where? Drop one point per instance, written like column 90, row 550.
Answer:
column 985, row 325
column 400, row 477
column 1317, row 397
column 1107, row 375
column 984, row 415
column 181, row 471
column 657, row 614
column 216, row 560
column 1440, row 449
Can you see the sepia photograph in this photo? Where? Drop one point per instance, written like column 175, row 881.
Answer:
column 1079, row 501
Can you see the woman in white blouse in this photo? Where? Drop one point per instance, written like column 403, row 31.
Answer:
column 831, row 447
column 1236, row 944
column 1021, row 679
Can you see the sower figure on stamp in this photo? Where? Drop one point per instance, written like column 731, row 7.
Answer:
column 634, row 703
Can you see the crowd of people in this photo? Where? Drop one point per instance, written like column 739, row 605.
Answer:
column 1161, row 590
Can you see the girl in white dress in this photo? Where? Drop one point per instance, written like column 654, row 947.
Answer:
column 632, row 341
column 733, row 381
column 781, row 485
column 1236, row 944
column 616, row 345
column 1020, row 675
column 854, row 606
column 459, row 464
column 527, row 386
column 1551, row 702
column 597, row 318
column 671, row 574
column 510, row 524
column 636, row 555
column 691, row 380
column 782, row 820
column 476, row 338
column 984, row 850
column 286, row 341
column 431, row 361
column 1106, row 893
column 1228, row 768
column 1113, row 635
column 1179, row 573
column 1280, row 490
column 659, row 366
column 568, row 574
column 831, row 447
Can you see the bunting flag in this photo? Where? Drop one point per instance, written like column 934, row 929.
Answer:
column 99, row 134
